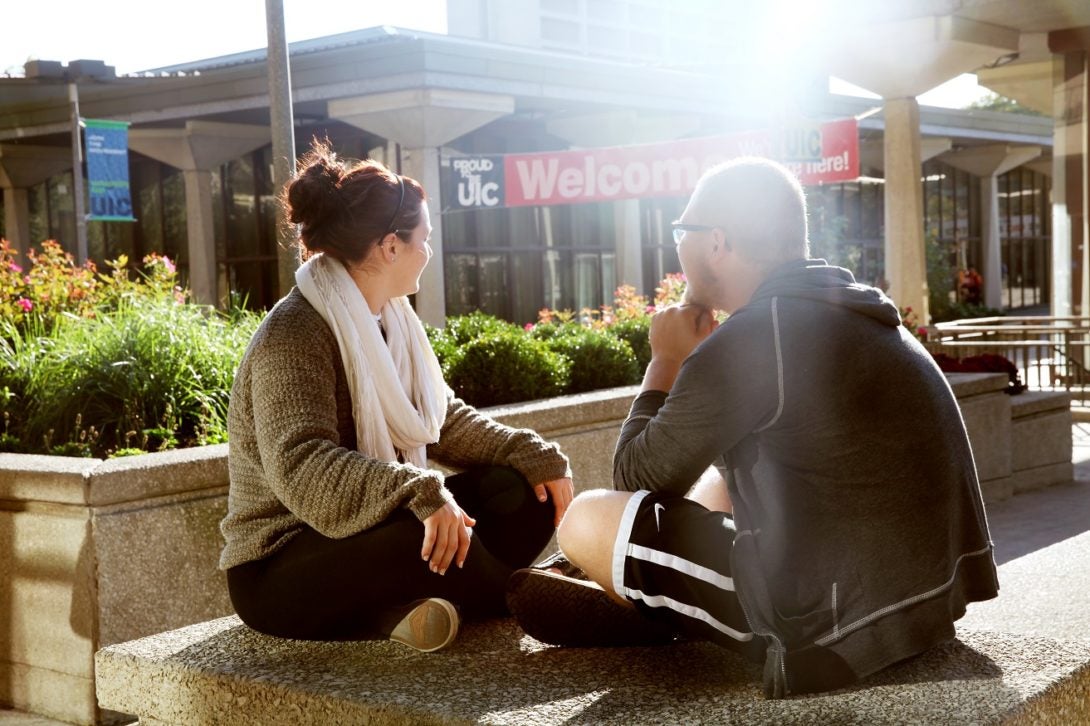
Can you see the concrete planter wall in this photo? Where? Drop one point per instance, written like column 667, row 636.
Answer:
column 95, row 552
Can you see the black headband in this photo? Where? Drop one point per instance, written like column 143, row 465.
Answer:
column 400, row 201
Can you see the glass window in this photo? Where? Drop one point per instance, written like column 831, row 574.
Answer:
column 62, row 215
column 492, row 278
column 557, row 280
column 605, row 40
column 587, row 281
column 175, row 233
column 239, row 205
column 526, row 289
column 562, row 7
column 561, row 32
column 460, row 282
column 644, row 17
column 149, row 205
column 961, row 205
column 606, row 10
column 38, row 209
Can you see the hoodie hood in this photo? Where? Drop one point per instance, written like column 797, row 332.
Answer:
column 818, row 281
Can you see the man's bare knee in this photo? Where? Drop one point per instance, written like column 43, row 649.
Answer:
column 576, row 529
column 587, row 534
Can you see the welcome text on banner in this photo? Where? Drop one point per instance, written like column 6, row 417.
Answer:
column 816, row 153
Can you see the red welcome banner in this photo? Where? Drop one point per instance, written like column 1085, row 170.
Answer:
column 816, row 153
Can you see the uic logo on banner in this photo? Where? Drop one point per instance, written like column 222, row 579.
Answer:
column 107, row 144
column 800, row 142
column 472, row 182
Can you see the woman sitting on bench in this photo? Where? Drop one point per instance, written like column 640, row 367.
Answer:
column 336, row 526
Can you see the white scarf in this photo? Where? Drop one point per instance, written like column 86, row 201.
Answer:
column 399, row 398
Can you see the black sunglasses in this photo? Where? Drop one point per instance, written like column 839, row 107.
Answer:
column 679, row 229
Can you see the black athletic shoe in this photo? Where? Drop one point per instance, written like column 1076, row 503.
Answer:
column 561, row 610
column 558, row 561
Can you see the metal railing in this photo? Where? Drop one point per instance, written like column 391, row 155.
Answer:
column 1050, row 353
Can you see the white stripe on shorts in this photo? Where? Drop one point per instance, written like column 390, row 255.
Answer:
column 688, row 610
column 624, row 534
column 682, row 565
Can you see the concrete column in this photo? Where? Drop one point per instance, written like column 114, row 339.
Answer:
column 906, row 268
column 431, row 301
column 989, row 231
column 17, row 219
column 200, row 232
column 628, row 241
column 1071, row 137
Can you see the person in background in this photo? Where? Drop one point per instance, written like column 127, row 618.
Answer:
column 337, row 527
column 795, row 483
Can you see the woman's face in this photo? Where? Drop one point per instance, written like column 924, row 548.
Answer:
column 412, row 256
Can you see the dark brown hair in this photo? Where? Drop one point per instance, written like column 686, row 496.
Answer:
column 345, row 210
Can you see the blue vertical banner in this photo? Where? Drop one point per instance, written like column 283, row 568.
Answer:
column 107, row 148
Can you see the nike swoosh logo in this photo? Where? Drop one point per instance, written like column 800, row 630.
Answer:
column 658, row 508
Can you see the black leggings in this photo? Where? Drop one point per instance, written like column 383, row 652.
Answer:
column 317, row 588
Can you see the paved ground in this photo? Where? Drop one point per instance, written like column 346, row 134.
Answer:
column 1042, row 547
column 1042, row 542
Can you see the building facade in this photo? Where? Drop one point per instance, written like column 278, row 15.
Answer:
column 535, row 77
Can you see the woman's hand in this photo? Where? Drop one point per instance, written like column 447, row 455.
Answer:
column 561, row 490
column 447, row 532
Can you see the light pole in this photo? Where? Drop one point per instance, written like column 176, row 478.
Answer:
column 77, row 176
column 283, row 135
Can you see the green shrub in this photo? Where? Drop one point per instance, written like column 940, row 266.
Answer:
column 444, row 347
column 465, row 328
column 507, row 367
column 635, row 332
column 152, row 375
column 598, row 359
column 20, row 350
column 548, row 331
column 92, row 363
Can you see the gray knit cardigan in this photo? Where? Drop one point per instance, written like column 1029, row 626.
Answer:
column 292, row 445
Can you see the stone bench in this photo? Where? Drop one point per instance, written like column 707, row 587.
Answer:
column 1019, row 442
column 1040, row 439
column 222, row 672
column 99, row 552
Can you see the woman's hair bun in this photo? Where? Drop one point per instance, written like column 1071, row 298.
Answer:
column 313, row 194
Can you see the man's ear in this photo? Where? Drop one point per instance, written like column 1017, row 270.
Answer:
column 719, row 242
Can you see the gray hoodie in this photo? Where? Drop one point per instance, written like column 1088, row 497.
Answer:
column 861, row 530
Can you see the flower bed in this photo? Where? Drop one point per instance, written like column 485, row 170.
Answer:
column 107, row 364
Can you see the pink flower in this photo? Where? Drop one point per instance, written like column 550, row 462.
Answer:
column 169, row 265
column 15, row 268
column 25, row 304
column 528, row 326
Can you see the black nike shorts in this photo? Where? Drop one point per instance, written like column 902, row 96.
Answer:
column 672, row 560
